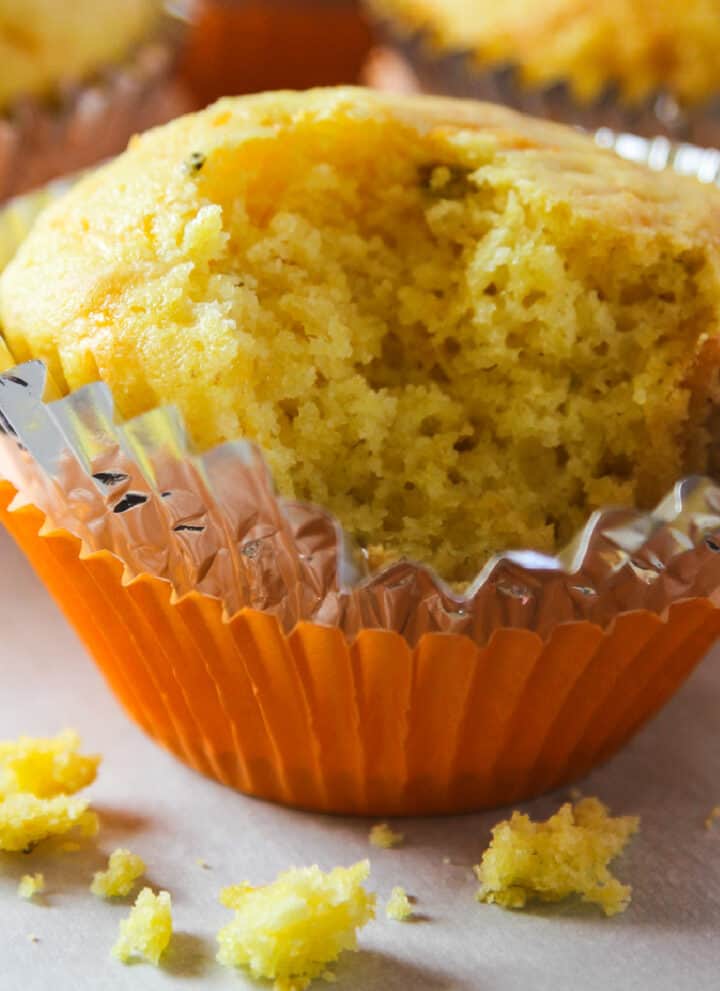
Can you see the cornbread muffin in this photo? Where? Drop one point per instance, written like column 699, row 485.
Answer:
column 117, row 881
column 146, row 933
column 639, row 46
column 459, row 329
column 291, row 930
column 549, row 861
column 45, row 44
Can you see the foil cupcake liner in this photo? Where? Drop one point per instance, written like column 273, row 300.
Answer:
column 85, row 123
column 245, row 633
column 457, row 73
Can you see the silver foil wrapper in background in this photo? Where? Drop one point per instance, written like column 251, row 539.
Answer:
column 457, row 73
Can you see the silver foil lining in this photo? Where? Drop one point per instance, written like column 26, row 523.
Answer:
column 457, row 73
column 212, row 523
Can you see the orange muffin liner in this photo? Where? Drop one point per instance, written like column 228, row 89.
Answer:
column 373, row 726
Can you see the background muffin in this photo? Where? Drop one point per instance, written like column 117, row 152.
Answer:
column 459, row 329
column 78, row 79
column 616, row 56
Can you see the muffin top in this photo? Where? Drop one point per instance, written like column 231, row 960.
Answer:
column 640, row 46
column 45, row 44
column 459, row 329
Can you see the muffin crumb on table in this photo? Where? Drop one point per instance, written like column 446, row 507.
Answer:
column 45, row 767
column 123, row 870
column 31, row 885
column 290, row 930
column 385, row 838
column 398, row 907
column 146, row 932
column 568, row 854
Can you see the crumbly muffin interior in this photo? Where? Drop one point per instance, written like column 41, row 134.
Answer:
column 456, row 359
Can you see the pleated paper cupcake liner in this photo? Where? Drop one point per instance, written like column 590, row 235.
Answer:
column 244, row 633
column 372, row 726
column 85, row 123
column 418, row 61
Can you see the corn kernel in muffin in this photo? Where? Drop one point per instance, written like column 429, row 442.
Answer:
column 549, row 861
column 146, row 933
column 26, row 820
column 290, row 930
column 123, row 870
column 459, row 329
column 45, row 767
column 31, row 885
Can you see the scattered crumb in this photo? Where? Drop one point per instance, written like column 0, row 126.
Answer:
column 45, row 767
column 203, row 863
column 575, row 794
column 25, row 819
column 714, row 814
column 31, row 884
column 398, row 906
column 123, row 870
column 446, row 860
column 33, row 938
column 384, row 837
column 568, row 854
column 146, row 932
column 290, row 930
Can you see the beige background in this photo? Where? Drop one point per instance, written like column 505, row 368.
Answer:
column 670, row 775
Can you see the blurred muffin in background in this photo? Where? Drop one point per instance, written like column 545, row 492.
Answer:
column 245, row 46
column 649, row 66
column 78, row 79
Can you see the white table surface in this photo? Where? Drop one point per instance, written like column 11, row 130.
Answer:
column 670, row 775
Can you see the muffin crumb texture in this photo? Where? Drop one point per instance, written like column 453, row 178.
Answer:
column 26, row 820
column 385, row 838
column 45, row 767
column 289, row 931
column 566, row 855
column 147, row 931
column 31, row 885
column 458, row 329
column 399, row 907
column 713, row 817
column 123, row 870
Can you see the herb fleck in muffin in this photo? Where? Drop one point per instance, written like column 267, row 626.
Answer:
column 459, row 329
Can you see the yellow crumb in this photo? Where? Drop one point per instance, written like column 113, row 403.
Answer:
column 146, row 932
column 203, row 863
column 45, row 767
column 31, row 884
column 714, row 814
column 398, row 906
column 123, row 870
column 568, row 854
column 33, row 938
column 26, row 820
column 384, row 837
column 290, row 930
